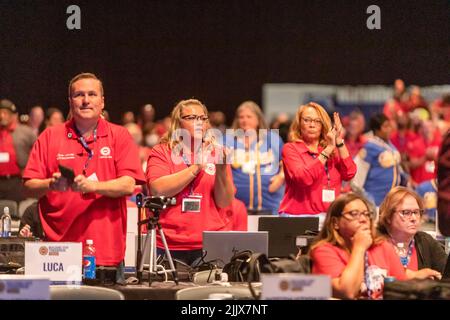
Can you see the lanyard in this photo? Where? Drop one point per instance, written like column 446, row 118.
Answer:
column 405, row 260
column 327, row 172
column 366, row 275
column 89, row 151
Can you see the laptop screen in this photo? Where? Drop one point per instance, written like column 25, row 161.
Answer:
column 222, row 245
column 283, row 232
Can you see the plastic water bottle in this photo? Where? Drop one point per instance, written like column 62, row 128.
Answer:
column 89, row 264
column 402, row 253
column 6, row 223
column 447, row 245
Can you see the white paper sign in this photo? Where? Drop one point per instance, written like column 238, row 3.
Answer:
column 20, row 287
column 294, row 286
column 59, row 261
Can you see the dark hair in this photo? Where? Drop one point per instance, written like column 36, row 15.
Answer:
column 377, row 120
column 329, row 234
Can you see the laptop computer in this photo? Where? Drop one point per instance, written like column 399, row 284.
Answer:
column 283, row 232
column 222, row 245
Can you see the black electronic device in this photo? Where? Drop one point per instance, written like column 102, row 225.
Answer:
column 67, row 173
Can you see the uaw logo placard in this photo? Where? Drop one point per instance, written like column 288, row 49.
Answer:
column 61, row 262
column 20, row 287
column 294, row 286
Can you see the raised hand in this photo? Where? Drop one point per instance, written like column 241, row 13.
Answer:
column 362, row 238
column 331, row 137
column 340, row 131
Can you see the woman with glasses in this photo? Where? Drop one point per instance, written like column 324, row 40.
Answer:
column 400, row 218
column 348, row 250
column 194, row 171
column 315, row 162
column 257, row 174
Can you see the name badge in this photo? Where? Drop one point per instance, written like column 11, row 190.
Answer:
column 328, row 195
column 429, row 166
column 4, row 157
column 192, row 203
column 294, row 286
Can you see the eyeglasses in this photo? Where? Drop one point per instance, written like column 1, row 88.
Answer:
column 408, row 213
column 193, row 117
column 355, row 214
column 309, row 121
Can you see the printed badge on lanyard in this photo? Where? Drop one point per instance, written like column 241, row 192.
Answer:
column 328, row 194
column 192, row 201
column 89, row 151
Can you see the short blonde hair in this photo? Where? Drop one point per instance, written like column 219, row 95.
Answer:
column 295, row 133
column 84, row 75
column 170, row 137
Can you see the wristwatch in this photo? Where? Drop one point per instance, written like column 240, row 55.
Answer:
column 340, row 145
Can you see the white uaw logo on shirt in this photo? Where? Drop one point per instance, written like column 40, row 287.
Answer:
column 210, row 169
column 105, row 152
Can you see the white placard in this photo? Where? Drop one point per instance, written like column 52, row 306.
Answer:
column 295, row 286
column 59, row 261
column 20, row 287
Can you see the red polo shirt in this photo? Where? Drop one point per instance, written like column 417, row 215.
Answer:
column 184, row 230
column 8, row 158
column 306, row 178
column 73, row 216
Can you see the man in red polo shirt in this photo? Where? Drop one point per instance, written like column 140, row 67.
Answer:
column 106, row 167
column 16, row 141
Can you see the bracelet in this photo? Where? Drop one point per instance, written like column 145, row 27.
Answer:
column 195, row 175
column 340, row 145
column 324, row 155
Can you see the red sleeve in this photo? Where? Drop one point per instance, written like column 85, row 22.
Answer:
column 158, row 163
column 300, row 169
column 127, row 157
column 36, row 167
column 326, row 260
column 346, row 168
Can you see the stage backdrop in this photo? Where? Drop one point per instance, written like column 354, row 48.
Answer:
column 221, row 52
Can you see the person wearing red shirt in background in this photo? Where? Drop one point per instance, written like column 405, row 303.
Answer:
column 179, row 167
column 423, row 152
column 443, row 178
column 354, row 132
column 313, row 168
column 349, row 251
column 106, row 165
column 398, row 104
column 16, row 141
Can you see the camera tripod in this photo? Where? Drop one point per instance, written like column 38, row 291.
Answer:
column 154, row 204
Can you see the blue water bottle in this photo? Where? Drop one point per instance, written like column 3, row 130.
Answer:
column 89, row 264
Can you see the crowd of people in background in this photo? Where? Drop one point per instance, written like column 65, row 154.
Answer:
column 378, row 164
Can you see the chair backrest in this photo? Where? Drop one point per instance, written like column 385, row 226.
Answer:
column 201, row 293
column 72, row 292
column 12, row 205
column 25, row 204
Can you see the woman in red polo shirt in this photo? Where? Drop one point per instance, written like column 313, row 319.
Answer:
column 315, row 161
column 194, row 172
column 349, row 252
